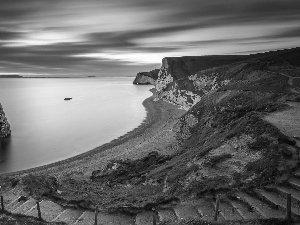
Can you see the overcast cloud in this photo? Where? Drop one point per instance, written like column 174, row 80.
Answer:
column 123, row 37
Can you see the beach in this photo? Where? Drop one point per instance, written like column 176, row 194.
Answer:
column 154, row 134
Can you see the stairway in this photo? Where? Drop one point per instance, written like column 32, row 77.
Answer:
column 277, row 196
column 263, row 203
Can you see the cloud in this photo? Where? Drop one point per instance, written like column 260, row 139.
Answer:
column 288, row 33
column 8, row 35
column 93, row 36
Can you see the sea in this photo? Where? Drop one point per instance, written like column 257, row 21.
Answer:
column 46, row 128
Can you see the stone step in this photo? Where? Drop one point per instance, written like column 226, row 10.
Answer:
column 11, row 197
column 14, row 204
column 245, row 210
column 25, row 207
column 69, row 216
column 206, row 210
column 228, row 211
column 49, row 210
column 283, row 190
column 276, row 199
column 144, row 218
column 115, row 219
column 186, row 213
column 166, row 215
column 87, row 218
column 262, row 207
column 9, row 200
column 294, row 182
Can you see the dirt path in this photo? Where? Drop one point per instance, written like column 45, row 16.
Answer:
column 290, row 81
column 288, row 121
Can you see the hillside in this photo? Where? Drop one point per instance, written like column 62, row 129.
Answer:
column 227, row 136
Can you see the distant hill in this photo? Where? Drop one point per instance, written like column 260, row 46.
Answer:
column 11, row 76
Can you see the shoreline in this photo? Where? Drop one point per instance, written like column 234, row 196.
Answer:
column 153, row 116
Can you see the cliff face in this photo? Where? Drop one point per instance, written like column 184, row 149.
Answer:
column 146, row 77
column 4, row 125
column 178, row 82
column 185, row 80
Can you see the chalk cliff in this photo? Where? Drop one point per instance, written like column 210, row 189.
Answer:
column 146, row 77
column 178, row 82
column 4, row 125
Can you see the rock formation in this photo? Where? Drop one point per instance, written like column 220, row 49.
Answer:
column 146, row 77
column 4, row 125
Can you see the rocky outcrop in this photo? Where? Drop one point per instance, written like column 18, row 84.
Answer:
column 4, row 125
column 131, row 171
column 146, row 77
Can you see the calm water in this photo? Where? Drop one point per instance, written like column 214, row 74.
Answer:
column 46, row 129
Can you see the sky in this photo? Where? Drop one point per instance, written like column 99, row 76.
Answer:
column 123, row 37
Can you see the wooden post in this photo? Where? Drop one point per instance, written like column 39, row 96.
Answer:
column 96, row 215
column 154, row 216
column 2, row 203
column 217, row 208
column 288, row 207
column 39, row 210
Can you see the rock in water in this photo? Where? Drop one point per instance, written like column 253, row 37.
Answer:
column 4, row 125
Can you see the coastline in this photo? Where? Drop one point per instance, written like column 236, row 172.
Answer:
column 156, row 114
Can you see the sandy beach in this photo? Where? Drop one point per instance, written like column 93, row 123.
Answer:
column 154, row 134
